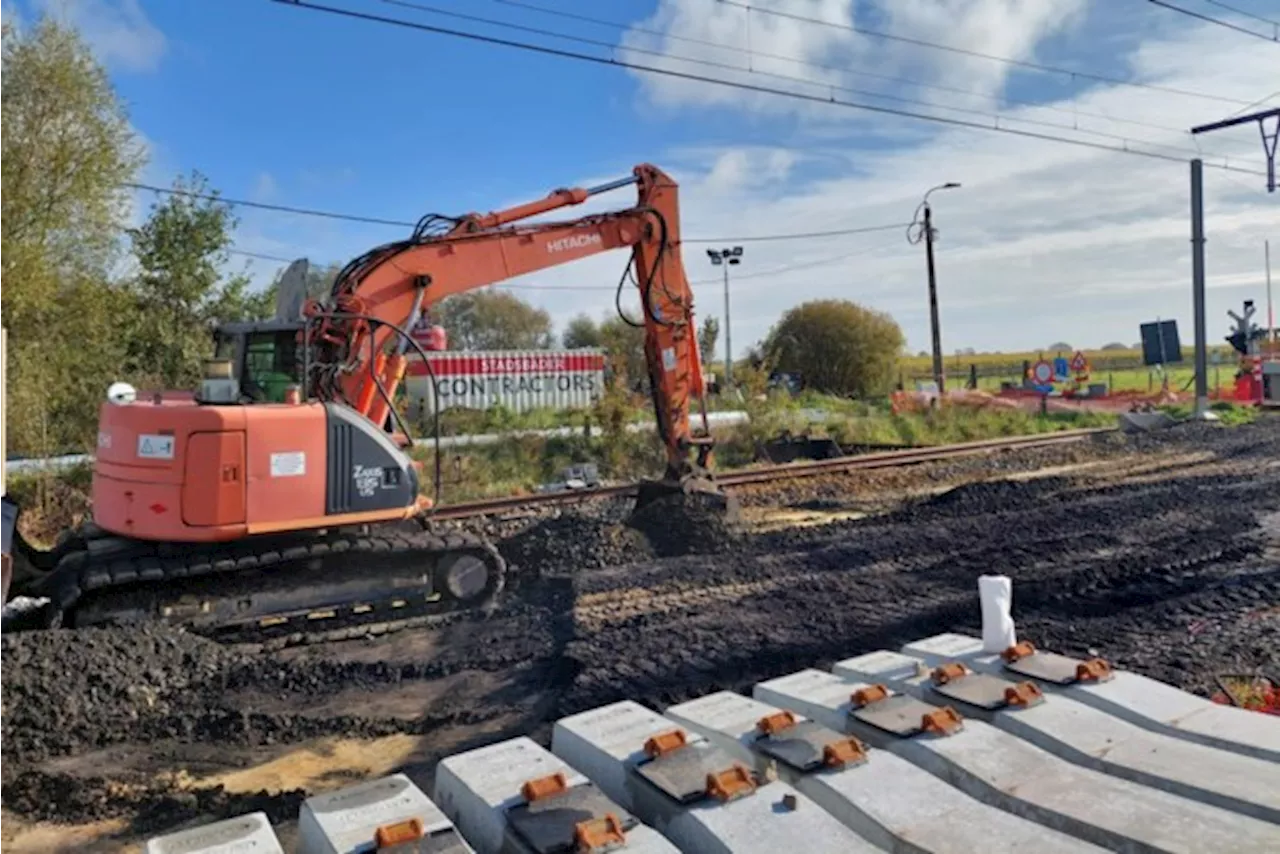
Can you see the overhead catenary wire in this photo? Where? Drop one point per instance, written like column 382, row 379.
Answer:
column 1242, row 12
column 823, row 66
column 995, row 116
column 261, row 256
column 776, row 271
column 289, row 209
column 1020, row 63
column 748, row 87
column 1191, row 13
column 300, row 211
column 808, row 235
column 1247, row 107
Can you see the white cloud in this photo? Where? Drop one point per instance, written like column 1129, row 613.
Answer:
column 265, row 188
column 118, row 31
column 756, row 47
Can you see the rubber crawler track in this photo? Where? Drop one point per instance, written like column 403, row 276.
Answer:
column 119, row 568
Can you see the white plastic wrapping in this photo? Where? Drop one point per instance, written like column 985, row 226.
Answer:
column 996, row 594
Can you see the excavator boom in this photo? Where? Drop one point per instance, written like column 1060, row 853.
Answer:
column 397, row 282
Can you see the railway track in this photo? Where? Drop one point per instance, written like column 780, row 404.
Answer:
column 285, row 627
column 784, row 471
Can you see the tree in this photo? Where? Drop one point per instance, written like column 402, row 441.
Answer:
column 837, row 346
column 493, row 320
column 1114, row 345
column 624, row 346
column 68, row 149
column 181, row 291
column 1059, row 346
column 582, row 331
column 707, row 335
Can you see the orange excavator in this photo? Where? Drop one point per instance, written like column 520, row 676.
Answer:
column 225, row 514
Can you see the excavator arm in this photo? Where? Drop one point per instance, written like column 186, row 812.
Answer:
column 359, row 335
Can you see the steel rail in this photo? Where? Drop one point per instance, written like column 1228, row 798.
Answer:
column 783, row 471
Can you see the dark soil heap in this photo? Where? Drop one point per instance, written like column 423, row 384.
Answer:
column 681, row 524
column 66, row 691
column 564, row 545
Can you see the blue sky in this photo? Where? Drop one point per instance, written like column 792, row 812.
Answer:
column 1044, row 242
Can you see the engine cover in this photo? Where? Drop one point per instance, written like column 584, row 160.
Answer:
column 366, row 470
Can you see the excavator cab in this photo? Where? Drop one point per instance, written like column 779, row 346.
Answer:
column 265, row 357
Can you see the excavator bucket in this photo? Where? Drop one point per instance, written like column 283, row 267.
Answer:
column 690, row 496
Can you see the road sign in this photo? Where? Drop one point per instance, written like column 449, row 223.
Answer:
column 1079, row 364
column 1042, row 372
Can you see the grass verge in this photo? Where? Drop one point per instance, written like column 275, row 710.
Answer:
column 56, row 501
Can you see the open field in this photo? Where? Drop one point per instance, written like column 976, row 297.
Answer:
column 1158, row 552
column 1121, row 370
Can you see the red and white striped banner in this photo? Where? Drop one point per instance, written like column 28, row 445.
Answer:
column 517, row 379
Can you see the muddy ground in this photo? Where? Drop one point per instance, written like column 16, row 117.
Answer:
column 1159, row 552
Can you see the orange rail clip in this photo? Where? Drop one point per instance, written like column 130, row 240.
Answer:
column 731, row 783
column 870, row 694
column 948, row 672
column 846, row 751
column 398, row 833
column 776, row 722
column 1023, row 694
column 544, row 787
column 943, row 721
column 1018, row 651
column 1093, row 670
column 665, row 742
column 598, row 834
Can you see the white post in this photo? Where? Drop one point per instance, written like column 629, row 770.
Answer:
column 1271, row 318
column 4, row 409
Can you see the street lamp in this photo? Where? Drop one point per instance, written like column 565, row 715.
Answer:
column 925, row 229
column 726, row 258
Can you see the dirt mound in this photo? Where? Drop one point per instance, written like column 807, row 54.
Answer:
column 678, row 525
column 65, row 690
column 568, row 544
column 983, row 494
column 156, row 807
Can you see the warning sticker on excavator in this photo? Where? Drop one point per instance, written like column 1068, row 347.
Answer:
column 153, row 447
column 289, row 464
column 669, row 359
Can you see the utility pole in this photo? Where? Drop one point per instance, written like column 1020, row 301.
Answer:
column 726, row 258
column 914, row 234
column 1270, row 137
column 935, row 332
column 1197, row 287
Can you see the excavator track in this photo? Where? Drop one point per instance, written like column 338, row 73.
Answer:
column 297, row 588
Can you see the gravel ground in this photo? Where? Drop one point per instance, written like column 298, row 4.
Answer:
column 1158, row 552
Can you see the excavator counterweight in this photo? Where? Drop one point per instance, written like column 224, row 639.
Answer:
column 282, row 495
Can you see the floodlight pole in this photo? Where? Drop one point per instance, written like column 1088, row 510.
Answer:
column 727, row 257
